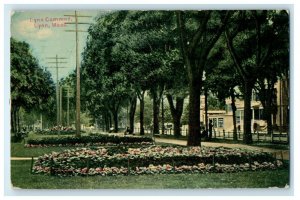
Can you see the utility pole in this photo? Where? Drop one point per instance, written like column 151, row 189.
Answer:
column 60, row 105
column 77, row 68
column 57, row 85
column 68, row 106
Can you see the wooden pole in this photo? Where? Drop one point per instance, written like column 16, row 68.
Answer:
column 78, row 125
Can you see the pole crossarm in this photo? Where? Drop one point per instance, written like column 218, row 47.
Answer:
column 57, row 62
column 58, row 90
column 77, row 15
column 75, row 31
column 77, row 23
column 56, row 58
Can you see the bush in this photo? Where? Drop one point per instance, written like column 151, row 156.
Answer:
column 19, row 136
column 87, row 140
column 56, row 132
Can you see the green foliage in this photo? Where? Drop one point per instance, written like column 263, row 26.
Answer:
column 55, row 132
column 31, row 86
column 254, row 39
column 86, row 140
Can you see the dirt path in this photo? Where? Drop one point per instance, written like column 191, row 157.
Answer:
column 21, row 158
column 279, row 153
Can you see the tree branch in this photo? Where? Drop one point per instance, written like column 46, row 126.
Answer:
column 234, row 56
column 182, row 31
column 215, row 38
column 200, row 31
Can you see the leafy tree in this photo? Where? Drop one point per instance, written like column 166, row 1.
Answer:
column 222, row 79
column 31, row 86
column 152, row 41
column 277, row 64
column 251, row 39
column 101, row 59
column 199, row 31
column 176, row 88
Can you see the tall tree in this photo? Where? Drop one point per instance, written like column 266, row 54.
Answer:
column 31, row 86
column 199, row 31
column 101, row 59
column 276, row 65
column 222, row 80
column 250, row 39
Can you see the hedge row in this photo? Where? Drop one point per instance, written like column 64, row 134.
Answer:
column 56, row 132
column 86, row 140
column 70, row 161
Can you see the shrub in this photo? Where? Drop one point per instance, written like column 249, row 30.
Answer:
column 56, row 132
column 87, row 140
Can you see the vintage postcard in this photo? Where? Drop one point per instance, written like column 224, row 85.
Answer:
column 150, row 99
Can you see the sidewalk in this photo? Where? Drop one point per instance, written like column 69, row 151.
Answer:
column 285, row 153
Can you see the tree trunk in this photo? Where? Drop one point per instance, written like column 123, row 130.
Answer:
column 269, row 124
column 106, row 121
column 132, row 109
column 162, row 117
column 233, row 107
column 109, row 120
column 194, row 137
column 115, row 116
column 206, row 114
column 18, row 120
column 266, row 97
column 156, row 102
column 176, row 112
column 12, row 119
column 142, row 108
column 247, row 112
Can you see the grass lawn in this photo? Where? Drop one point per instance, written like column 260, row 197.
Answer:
column 21, row 178
column 18, row 150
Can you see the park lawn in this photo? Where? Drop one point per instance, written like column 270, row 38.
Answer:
column 18, row 150
column 22, row 178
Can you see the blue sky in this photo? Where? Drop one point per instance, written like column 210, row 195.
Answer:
column 46, row 40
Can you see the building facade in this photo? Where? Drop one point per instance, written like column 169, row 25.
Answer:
column 223, row 119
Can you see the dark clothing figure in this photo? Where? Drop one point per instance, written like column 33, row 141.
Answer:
column 204, row 134
column 239, row 128
column 255, row 128
column 127, row 131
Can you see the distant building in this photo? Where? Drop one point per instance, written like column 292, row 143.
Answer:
column 223, row 119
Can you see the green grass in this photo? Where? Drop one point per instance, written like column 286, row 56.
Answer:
column 18, row 150
column 21, row 178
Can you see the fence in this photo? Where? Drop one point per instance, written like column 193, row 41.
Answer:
column 257, row 137
column 228, row 135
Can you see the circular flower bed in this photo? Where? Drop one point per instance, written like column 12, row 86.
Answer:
column 152, row 160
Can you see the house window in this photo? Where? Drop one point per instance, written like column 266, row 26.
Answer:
column 220, row 122
column 215, row 122
column 238, row 119
column 239, row 116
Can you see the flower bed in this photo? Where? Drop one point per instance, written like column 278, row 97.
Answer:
column 93, row 140
column 155, row 159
